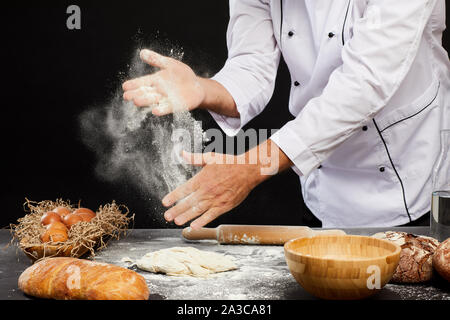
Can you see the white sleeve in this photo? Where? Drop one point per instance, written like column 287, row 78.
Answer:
column 253, row 57
column 375, row 62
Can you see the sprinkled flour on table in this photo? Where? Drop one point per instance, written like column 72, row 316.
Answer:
column 262, row 271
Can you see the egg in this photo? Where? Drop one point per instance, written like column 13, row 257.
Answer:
column 57, row 225
column 85, row 213
column 54, row 235
column 59, row 237
column 72, row 219
column 62, row 211
column 50, row 217
column 45, row 237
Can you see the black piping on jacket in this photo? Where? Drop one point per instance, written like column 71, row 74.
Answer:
column 393, row 167
column 345, row 22
column 415, row 114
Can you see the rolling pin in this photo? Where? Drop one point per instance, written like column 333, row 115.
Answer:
column 247, row 234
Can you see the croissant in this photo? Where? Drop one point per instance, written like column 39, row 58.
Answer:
column 77, row 279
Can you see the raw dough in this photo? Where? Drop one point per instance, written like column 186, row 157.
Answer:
column 179, row 261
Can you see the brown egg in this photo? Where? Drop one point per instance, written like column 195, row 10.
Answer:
column 45, row 237
column 54, row 235
column 84, row 210
column 72, row 219
column 62, row 211
column 57, row 226
column 59, row 236
column 85, row 216
column 85, row 213
column 50, row 217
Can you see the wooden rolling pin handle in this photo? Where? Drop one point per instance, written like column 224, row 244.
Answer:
column 204, row 233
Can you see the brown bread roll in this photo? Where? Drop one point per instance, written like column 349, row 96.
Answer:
column 416, row 257
column 77, row 279
column 441, row 259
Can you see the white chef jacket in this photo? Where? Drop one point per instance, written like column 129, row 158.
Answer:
column 370, row 93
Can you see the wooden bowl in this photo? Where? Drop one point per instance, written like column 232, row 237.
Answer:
column 342, row 267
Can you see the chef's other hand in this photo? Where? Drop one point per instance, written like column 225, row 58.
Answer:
column 216, row 189
column 175, row 85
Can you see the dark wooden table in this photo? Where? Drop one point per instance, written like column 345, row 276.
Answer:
column 262, row 274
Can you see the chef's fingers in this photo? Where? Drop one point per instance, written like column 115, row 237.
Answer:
column 207, row 217
column 181, row 192
column 182, row 206
column 147, row 99
column 163, row 110
column 136, row 83
column 193, row 212
column 131, row 94
column 154, row 59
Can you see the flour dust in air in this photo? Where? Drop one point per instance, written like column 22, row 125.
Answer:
column 134, row 146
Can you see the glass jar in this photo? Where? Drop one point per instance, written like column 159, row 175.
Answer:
column 440, row 204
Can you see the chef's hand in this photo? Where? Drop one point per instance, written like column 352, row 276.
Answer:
column 216, row 189
column 220, row 187
column 175, row 82
column 177, row 87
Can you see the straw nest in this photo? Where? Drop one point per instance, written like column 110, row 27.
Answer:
column 111, row 221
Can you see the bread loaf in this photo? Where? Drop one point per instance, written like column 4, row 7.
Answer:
column 77, row 279
column 441, row 259
column 416, row 257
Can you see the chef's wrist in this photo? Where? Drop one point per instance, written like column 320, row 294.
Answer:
column 216, row 98
column 203, row 86
column 265, row 161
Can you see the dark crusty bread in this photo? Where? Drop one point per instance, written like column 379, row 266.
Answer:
column 441, row 259
column 416, row 257
column 77, row 279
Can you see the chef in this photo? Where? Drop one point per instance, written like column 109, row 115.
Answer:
column 370, row 93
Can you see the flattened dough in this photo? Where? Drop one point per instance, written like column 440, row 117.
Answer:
column 190, row 261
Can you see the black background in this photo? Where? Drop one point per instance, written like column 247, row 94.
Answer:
column 51, row 75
